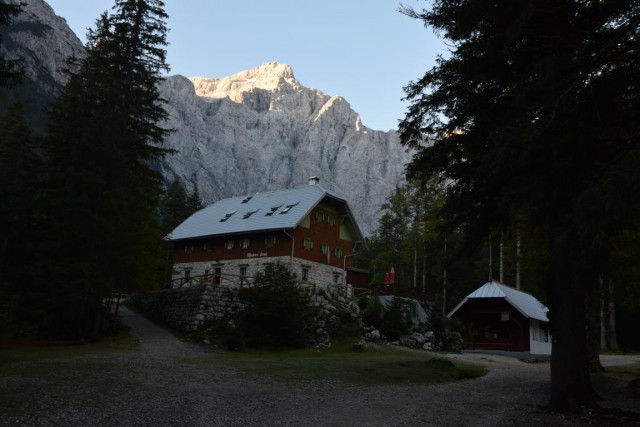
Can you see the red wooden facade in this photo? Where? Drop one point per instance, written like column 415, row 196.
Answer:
column 318, row 239
column 493, row 323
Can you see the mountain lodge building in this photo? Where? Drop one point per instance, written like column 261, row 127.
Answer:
column 310, row 229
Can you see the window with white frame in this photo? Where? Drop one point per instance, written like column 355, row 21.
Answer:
column 228, row 245
column 245, row 243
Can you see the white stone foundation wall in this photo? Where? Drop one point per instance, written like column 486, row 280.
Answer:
column 321, row 276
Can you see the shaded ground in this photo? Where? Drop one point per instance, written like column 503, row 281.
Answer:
column 164, row 384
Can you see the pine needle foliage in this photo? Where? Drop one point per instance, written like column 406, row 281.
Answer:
column 535, row 112
column 278, row 312
column 104, row 132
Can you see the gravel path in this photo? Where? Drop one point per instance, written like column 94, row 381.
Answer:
column 164, row 385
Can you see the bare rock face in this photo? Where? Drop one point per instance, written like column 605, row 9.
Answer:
column 261, row 130
column 257, row 130
column 44, row 42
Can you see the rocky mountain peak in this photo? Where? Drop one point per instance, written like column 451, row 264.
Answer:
column 43, row 40
column 271, row 76
column 257, row 130
column 260, row 130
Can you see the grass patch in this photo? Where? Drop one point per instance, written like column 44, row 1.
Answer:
column 614, row 352
column 70, row 375
column 633, row 369
column 12, row 351
column 382, row 366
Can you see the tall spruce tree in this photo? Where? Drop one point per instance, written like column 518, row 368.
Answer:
column 20, row 193
column 536, row 111
column 104, row 132
column 176, row 205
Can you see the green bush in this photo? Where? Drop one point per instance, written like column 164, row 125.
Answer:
column 372, row 312
column 448, row 333
column 390, row 321
column 394, row 323
column 278, row 314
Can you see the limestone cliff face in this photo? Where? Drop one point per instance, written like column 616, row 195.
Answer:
column 260, row 130
column 257, row 130
column 44, row 42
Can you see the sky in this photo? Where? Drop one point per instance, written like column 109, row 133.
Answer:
column 363, row 50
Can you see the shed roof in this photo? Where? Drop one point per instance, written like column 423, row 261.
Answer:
column 525, row 303
column 418, row 313
column 277, row 210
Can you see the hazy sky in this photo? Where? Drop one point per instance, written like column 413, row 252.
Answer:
column 363, row 50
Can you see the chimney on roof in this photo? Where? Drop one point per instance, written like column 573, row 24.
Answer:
column 313, row 180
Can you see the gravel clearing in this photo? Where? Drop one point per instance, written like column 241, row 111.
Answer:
column 162, row 384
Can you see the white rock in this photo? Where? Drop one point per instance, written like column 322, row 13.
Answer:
column 373, row 335
column 261, row 130
column 257, row 130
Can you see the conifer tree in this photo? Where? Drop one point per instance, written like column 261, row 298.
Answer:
column 194, row 201
column 535, row 111
column 104, row 132
column 173, row 206
column 20, row 180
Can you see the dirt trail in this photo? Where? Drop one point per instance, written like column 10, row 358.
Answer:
column 155, row 341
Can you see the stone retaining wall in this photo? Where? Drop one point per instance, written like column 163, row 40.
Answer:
column 188, row 308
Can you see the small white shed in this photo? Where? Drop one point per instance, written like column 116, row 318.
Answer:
column 504, row 318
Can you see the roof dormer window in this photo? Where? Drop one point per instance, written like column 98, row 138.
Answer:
column 288, row 208
column 248, row 214
column 246, row 199
column 227, row 216
column 272, row 210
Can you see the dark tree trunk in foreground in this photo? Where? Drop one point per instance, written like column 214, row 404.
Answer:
column 593, row 330
column 570, row 379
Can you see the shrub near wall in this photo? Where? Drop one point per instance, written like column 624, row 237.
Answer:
column 279, row 313
column 274, row 312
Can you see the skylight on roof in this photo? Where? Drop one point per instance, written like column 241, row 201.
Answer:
column 227, row 216
column 248, row 214
column 288, row 208
column 272, row 210
column 246, row 199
